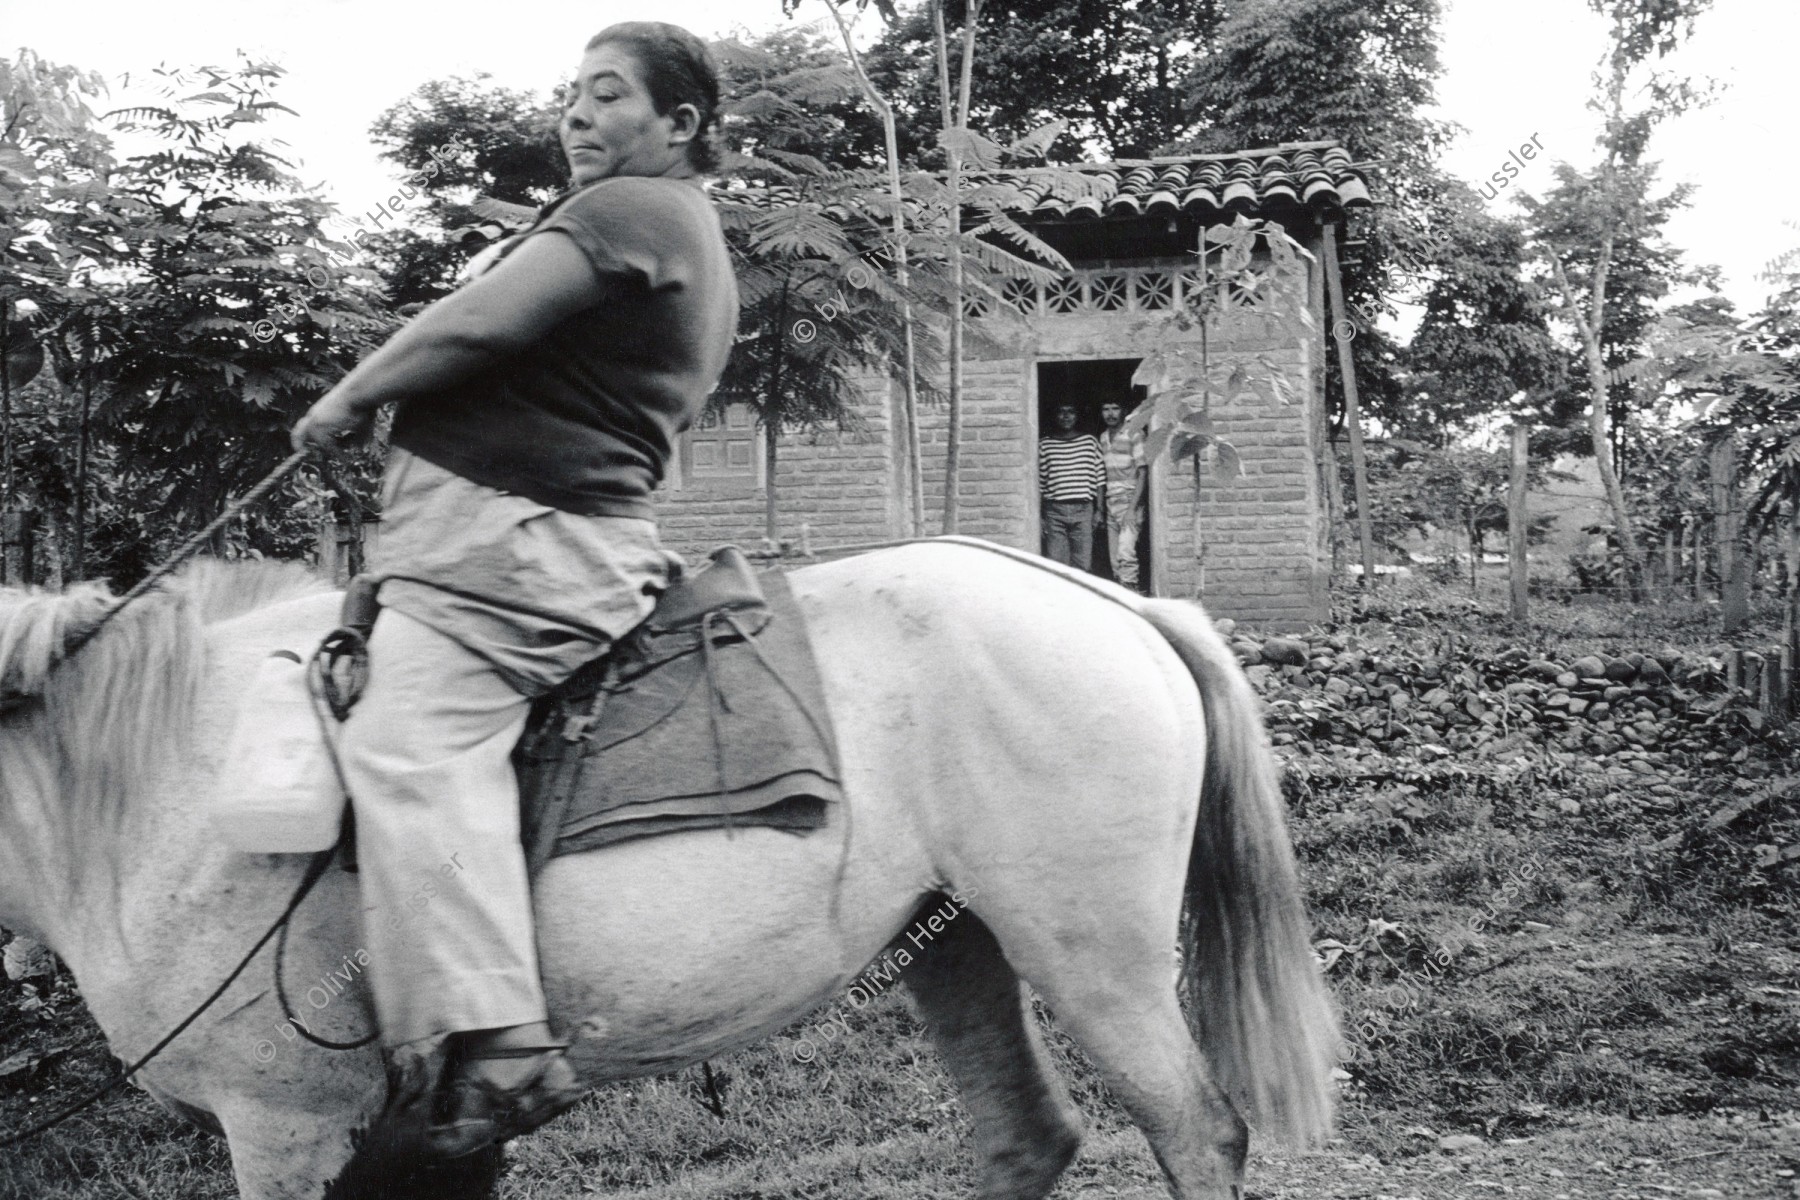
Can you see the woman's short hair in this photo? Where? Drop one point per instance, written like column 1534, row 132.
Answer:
column 678, row 69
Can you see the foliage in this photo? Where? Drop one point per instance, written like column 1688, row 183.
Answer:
column 790, row 92
column 1114, row 72
column 1590, row 224
column 147, row 283
column 1238, row 288
column 1483, row 337
column 508, row 152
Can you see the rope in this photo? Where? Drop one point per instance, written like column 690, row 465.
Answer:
column 314, row 870
column 188, row 549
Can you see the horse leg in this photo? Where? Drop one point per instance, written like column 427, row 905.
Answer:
column 284, row 1153
column 978, row 1013
column 1118, row 1001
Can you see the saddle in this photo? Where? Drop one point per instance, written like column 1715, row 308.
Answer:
column 708, row 715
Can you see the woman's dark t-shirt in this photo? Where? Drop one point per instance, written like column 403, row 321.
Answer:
column 585, row 420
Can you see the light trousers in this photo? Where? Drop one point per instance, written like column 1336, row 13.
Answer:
column 1121, row 541
column 447, row 915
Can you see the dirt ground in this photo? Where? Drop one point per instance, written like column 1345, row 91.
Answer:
column 1624, row 1024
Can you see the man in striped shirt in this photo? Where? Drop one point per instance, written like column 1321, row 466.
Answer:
column 1071, row 474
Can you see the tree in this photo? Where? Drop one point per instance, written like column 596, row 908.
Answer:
column 1114, row 73
column 152, row 283
column 1612, row 205
column 507, row 151
column 1181, row 378
column 1360, row 73
column 1484, row 337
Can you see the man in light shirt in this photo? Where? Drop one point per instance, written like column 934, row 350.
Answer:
column 1123, row 455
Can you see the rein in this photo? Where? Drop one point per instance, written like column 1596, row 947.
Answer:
column 314, row 869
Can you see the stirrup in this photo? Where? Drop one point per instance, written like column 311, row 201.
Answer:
column 480, row 1114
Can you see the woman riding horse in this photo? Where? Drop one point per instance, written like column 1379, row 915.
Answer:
column 538, row 408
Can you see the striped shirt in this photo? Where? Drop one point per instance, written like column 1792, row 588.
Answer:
column 1070, row 468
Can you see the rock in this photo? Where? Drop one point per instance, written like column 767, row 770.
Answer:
column 1599, row 710
column 24, row 958
column 1652, row 672
column 1577, row 707
column 1567, row 679
column 1248, row 652
column 1458, row 1143
column 1621, row 670
column 1570, row 807
column 1615, row 694
column 1543, row 669
column 1226, row 626
column 1588, row 667
column 1259, row 674
column 1285, row 651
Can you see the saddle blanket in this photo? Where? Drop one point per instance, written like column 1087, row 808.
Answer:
column 709, row 715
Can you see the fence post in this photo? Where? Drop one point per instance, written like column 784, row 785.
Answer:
column 1359, row 467
column 1734, row 607
column 1518, row 522
column 1698, row 552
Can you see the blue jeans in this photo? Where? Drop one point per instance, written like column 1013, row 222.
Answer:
column 1069, row 532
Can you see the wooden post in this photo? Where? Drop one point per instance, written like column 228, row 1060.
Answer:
column 1790, row 617
column 18, row 547
column 1359, row 465
column 1518, row 520
column 1770, row 697
column 1734, row 607
column 1699, row 556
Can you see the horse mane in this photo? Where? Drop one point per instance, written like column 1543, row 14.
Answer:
column 87, row 727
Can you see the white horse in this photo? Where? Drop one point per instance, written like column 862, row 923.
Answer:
column 1075, row 761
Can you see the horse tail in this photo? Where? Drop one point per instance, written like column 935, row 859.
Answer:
column 1256, row 998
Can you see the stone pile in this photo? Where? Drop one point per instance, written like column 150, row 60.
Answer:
column 1651, row 714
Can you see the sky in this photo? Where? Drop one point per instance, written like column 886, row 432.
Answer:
column 1513, row 70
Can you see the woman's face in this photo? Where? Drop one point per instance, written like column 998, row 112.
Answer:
column 611, row 127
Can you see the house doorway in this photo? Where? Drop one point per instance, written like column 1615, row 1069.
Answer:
column 1089, row 385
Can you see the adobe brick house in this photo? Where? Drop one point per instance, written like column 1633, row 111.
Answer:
column 1254, row 547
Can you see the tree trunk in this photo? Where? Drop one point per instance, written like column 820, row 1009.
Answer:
column 77, row 563
column 771, row 429
column 771, row 521
column 954, row 120
column 6, row 430
column 1598, row 433
column 910, row 414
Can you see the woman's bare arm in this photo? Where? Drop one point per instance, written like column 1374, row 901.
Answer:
column 545, row 281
